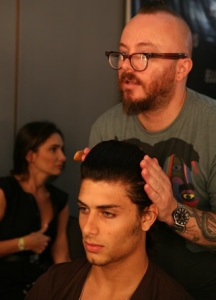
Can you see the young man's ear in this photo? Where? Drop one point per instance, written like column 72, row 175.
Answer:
column 149, row 216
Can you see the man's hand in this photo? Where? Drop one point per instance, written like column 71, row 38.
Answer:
column 158, row 188
column 80, row 155
column 85, row 153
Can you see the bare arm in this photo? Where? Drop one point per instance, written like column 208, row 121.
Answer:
column 60, row 248
column 201, row 227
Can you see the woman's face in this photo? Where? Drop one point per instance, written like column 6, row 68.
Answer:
column 49, row 158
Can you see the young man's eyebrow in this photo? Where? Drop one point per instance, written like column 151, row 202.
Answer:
column 103, row 206
column 80, row 202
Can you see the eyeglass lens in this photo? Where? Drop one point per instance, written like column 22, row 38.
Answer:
column 138, row 61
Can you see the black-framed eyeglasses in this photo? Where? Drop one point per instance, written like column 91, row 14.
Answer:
column 138, row 61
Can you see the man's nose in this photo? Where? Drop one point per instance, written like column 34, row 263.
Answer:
column 126, row 64
column 90, row 225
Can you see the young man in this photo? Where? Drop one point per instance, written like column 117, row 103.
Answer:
column 115, row 215
column 177, row 126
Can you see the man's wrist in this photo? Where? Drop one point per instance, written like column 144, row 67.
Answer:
column 181, row 217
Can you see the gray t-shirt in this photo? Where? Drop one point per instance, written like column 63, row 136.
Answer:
column 186, row 150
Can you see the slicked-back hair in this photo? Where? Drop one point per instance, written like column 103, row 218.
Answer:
column 117, row 161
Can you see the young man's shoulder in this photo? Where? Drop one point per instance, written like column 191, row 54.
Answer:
column 157, row 284
column 60, row 281
column 66, row 268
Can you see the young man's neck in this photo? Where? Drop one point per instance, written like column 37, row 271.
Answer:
column 117, row 281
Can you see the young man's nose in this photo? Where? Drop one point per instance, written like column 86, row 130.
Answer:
column 90, row 225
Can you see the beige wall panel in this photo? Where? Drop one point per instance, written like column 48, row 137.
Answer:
column 7, row 82
column 63, row 72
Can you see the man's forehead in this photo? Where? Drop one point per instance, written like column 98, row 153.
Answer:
column 100, row 193
column 151, row 22
column 159, row 31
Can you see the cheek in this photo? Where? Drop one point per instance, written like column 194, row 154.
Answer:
column 124, row 236
column 44, row 161
column 47, row 158
column 81, row 221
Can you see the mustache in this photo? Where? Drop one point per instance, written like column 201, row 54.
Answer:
column 130, row 77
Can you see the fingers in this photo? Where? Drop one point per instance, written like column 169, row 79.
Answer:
column 37, row 241
column 42, row 242
column 158, row 187
column 80, row 155
column 41, row 247
column 85, row 153
column 153, row 174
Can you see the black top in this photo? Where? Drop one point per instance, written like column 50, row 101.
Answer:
column 66, row 280
column 22, row 217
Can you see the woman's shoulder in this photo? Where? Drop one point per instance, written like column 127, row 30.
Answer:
column 8, row 183
column 56, row 190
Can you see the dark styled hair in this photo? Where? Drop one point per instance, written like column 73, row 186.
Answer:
column 117, row 161
column 153, row 6
column 30, row 137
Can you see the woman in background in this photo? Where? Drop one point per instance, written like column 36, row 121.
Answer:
column 33, row 212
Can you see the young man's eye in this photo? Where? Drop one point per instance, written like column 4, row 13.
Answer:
column 83, row 209
column 108, row 214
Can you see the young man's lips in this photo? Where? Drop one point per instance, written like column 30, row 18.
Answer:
column 92, row 247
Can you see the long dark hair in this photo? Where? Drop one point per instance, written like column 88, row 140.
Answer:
column 30, row 137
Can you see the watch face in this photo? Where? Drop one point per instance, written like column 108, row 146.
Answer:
column 181, row 216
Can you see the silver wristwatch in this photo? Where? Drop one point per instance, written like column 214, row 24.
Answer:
column 180, row 217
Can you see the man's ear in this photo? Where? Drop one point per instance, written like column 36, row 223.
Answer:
column 184, row 67
column 149, row 216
